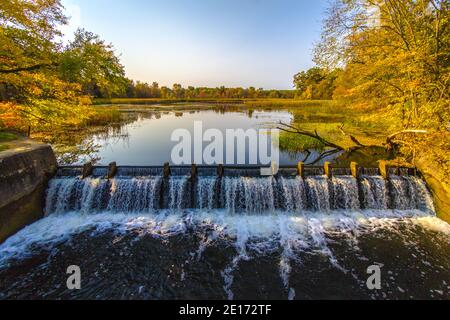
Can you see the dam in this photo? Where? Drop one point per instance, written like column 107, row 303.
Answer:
column 223, row 232
column 236, row 189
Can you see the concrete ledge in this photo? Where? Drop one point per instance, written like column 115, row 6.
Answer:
column 25, row 169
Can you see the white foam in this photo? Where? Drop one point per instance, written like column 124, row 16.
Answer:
column 434, row 224
column 259, row 233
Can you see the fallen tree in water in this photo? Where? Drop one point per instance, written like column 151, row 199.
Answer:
column 391, row 140
column 332, row 147
column 386, row 150
column 428, row 151
column 292, row 129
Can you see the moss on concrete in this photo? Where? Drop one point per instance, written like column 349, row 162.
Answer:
column 439, row 187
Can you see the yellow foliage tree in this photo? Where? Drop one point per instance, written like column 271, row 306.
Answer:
column 397, row 55
column 31, row 92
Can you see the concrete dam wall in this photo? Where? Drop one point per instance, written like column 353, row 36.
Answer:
column 25, row 170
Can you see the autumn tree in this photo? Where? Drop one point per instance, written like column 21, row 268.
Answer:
column 27, row 33
column 316, row 83
column 396, row 53
column 31, row 92
column 91, row 62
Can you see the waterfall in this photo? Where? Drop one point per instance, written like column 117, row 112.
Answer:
column 206, row 192
column 401, row 193
column 284, row 229
column 177, row 192
column 318, row 193
column 410, row 193
column 68, row 194
column 345, row 193
column 293, row 194
column 248, row 194
column 135, row 194
column 375, row 192
column 236, row 194
column 421, row 197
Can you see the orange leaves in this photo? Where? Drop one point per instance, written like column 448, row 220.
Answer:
column 10, row 116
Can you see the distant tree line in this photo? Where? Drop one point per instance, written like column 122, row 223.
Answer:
column 45, row 83
column 144, row 90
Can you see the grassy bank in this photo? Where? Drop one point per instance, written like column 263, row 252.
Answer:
column 103, row 116
column 287, row 103
column 6, row 137
column 332, row 120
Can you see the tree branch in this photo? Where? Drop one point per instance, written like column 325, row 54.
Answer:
column 390, row 140
column 324, row 155
column 29, row 68
column 315, row 135
column 392, row 136
column 354, row 140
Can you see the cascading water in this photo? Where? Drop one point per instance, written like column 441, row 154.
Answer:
column 231, row 237
column 134, row 195
column 293, row 194
column 375, row 192
column 410, row 193
column 345, row 193
column 251, row 195
column 318, row 193
column 236, row 194
column 207, row 193
column 177, row 192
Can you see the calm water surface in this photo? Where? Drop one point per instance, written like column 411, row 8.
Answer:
column 146, row 140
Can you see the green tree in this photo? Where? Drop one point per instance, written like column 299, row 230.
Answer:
column 27, row 33
column 156, row 92
column 31, row 91
column 178, row 91
column 91, row 62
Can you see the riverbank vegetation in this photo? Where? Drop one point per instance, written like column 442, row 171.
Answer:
column 382, row 67
column 390, row 56
column 48, row 85
column 388, row 61
column 6, row 137
column 44, row 84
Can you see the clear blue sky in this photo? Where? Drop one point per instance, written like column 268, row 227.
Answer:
column 260, row 43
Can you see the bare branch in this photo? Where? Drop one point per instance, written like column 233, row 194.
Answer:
column 354, row 140
column 323, row 155
column 314, row 135
column 390, row 140
column 30, row 68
